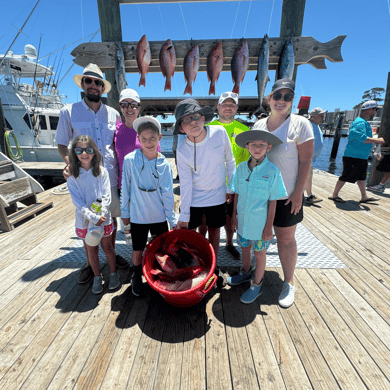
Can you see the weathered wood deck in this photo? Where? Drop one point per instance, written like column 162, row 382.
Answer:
column 55, row 334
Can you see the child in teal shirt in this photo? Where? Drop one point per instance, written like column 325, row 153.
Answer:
column 257, row 184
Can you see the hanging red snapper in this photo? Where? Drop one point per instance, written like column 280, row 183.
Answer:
column 167, row 62
column 143, row 59
column 191, row 66
column 214, row 66
column 239, row 65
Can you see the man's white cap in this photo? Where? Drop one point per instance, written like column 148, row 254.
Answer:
column 317, row 111
column 369, row 104
column 228, row 95
column 129, row 94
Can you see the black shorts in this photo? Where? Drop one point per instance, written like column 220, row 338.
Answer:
column 215, row 216
column 384, row 164
column 229, row 209
column 354, row 169
column 139, row 233
column 283, row 215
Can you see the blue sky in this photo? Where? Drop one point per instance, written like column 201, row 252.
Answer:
column 365, row 50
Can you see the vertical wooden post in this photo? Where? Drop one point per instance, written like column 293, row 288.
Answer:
column 3, row 149
column 111, row 31
column 384, row 132
column 337, row 136
column 292, row 21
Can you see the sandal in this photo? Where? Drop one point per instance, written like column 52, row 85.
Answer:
column 368, row 200
column 337, row 199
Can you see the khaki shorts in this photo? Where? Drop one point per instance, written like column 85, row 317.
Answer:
column 115, row 208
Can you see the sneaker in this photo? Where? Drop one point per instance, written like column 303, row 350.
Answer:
column 85, row 274
column 377, row 188
column 242, row 277
column 114, row 281
column 137, row 287
column 286, row 297
column 313, row 199
column 254, row 291
column 233, row 252
column 121, row 262
column 97, row 286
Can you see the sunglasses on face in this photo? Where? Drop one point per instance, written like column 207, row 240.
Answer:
column 133, row 105
column 87, row 150
column 194, row 117
column 98, row 83
column 154, row 174
column 229, row 94
column 287, row 97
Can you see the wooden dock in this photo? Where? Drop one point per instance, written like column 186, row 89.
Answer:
column 55, row 334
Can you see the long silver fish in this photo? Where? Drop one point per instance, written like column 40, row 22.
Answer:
column 286, row 61
column 262, row 68
column 120, row 72
column 239, row 65
column 191, row 66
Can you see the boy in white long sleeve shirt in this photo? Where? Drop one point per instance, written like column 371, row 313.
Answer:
column 204, row 159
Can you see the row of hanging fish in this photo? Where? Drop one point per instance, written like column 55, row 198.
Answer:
column 239, row 64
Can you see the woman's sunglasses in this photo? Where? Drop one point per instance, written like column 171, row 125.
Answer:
column 287, row 97
column 98, row 83
column 87, row 150
column 133, row 105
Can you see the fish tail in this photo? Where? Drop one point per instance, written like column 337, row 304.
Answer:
column 188, row 89
column 142, row 80
column 236, row 88
column 212, row 89
column 167, row 84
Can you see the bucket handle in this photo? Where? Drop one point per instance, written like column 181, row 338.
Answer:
column 208, row 286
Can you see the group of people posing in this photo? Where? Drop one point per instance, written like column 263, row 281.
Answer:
column 249, row 181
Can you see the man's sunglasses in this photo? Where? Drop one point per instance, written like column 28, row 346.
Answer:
column 287, row 97
column 192, row 118
column 133, row 105
column 98, row 83
column 87, row 150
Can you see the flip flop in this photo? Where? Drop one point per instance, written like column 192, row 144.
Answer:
column 368, row 200
column 337, row 199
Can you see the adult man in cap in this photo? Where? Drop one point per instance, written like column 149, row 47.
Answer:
column 316, row 118
column 206, row 166
column 227, row 110
column 356, row 153
column 91, row 117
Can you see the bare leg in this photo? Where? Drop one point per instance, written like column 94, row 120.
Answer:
column 246, row 258
column 287, row 249
column 362, row 187
column 260, row 265
column 113, row 235
column 86, row 252
column 229, row 231
column 308, row 185
column 203, row 228
column 214, row 234
column 109, row 251
column 338, row 187
column 93, row 258
column 385, row 178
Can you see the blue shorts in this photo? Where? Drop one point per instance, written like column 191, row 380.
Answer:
column 258, row 245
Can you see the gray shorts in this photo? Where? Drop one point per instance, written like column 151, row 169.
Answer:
column 115, row 207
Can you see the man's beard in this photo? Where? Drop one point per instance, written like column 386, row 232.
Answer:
column 93, row 98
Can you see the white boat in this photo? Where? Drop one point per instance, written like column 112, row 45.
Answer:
column 31, row 110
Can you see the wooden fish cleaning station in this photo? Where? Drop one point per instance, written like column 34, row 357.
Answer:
column 55, row 334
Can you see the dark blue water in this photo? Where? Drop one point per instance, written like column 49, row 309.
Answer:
column 323, row 162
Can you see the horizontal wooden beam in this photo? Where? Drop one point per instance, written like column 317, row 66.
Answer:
column 307, row 51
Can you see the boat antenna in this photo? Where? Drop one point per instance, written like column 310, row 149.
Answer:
column 35, row 73
column 1, row 63
column 48, row 83
column 73, row 63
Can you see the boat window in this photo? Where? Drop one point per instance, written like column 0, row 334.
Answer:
column 7, row 124
column 42, row 122
column 27, row 120
column 53, row 122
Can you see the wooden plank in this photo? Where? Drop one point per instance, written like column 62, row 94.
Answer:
column 119, row 368
column 242, row 367
column 29, row 211
column 7, row 170
column 217, row 353
column 369, row 356
column 16, row 189
column 306, row 49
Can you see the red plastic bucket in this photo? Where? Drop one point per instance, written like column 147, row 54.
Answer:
column 193, row 240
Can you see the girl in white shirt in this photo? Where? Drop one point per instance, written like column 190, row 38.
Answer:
column 89, row 182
